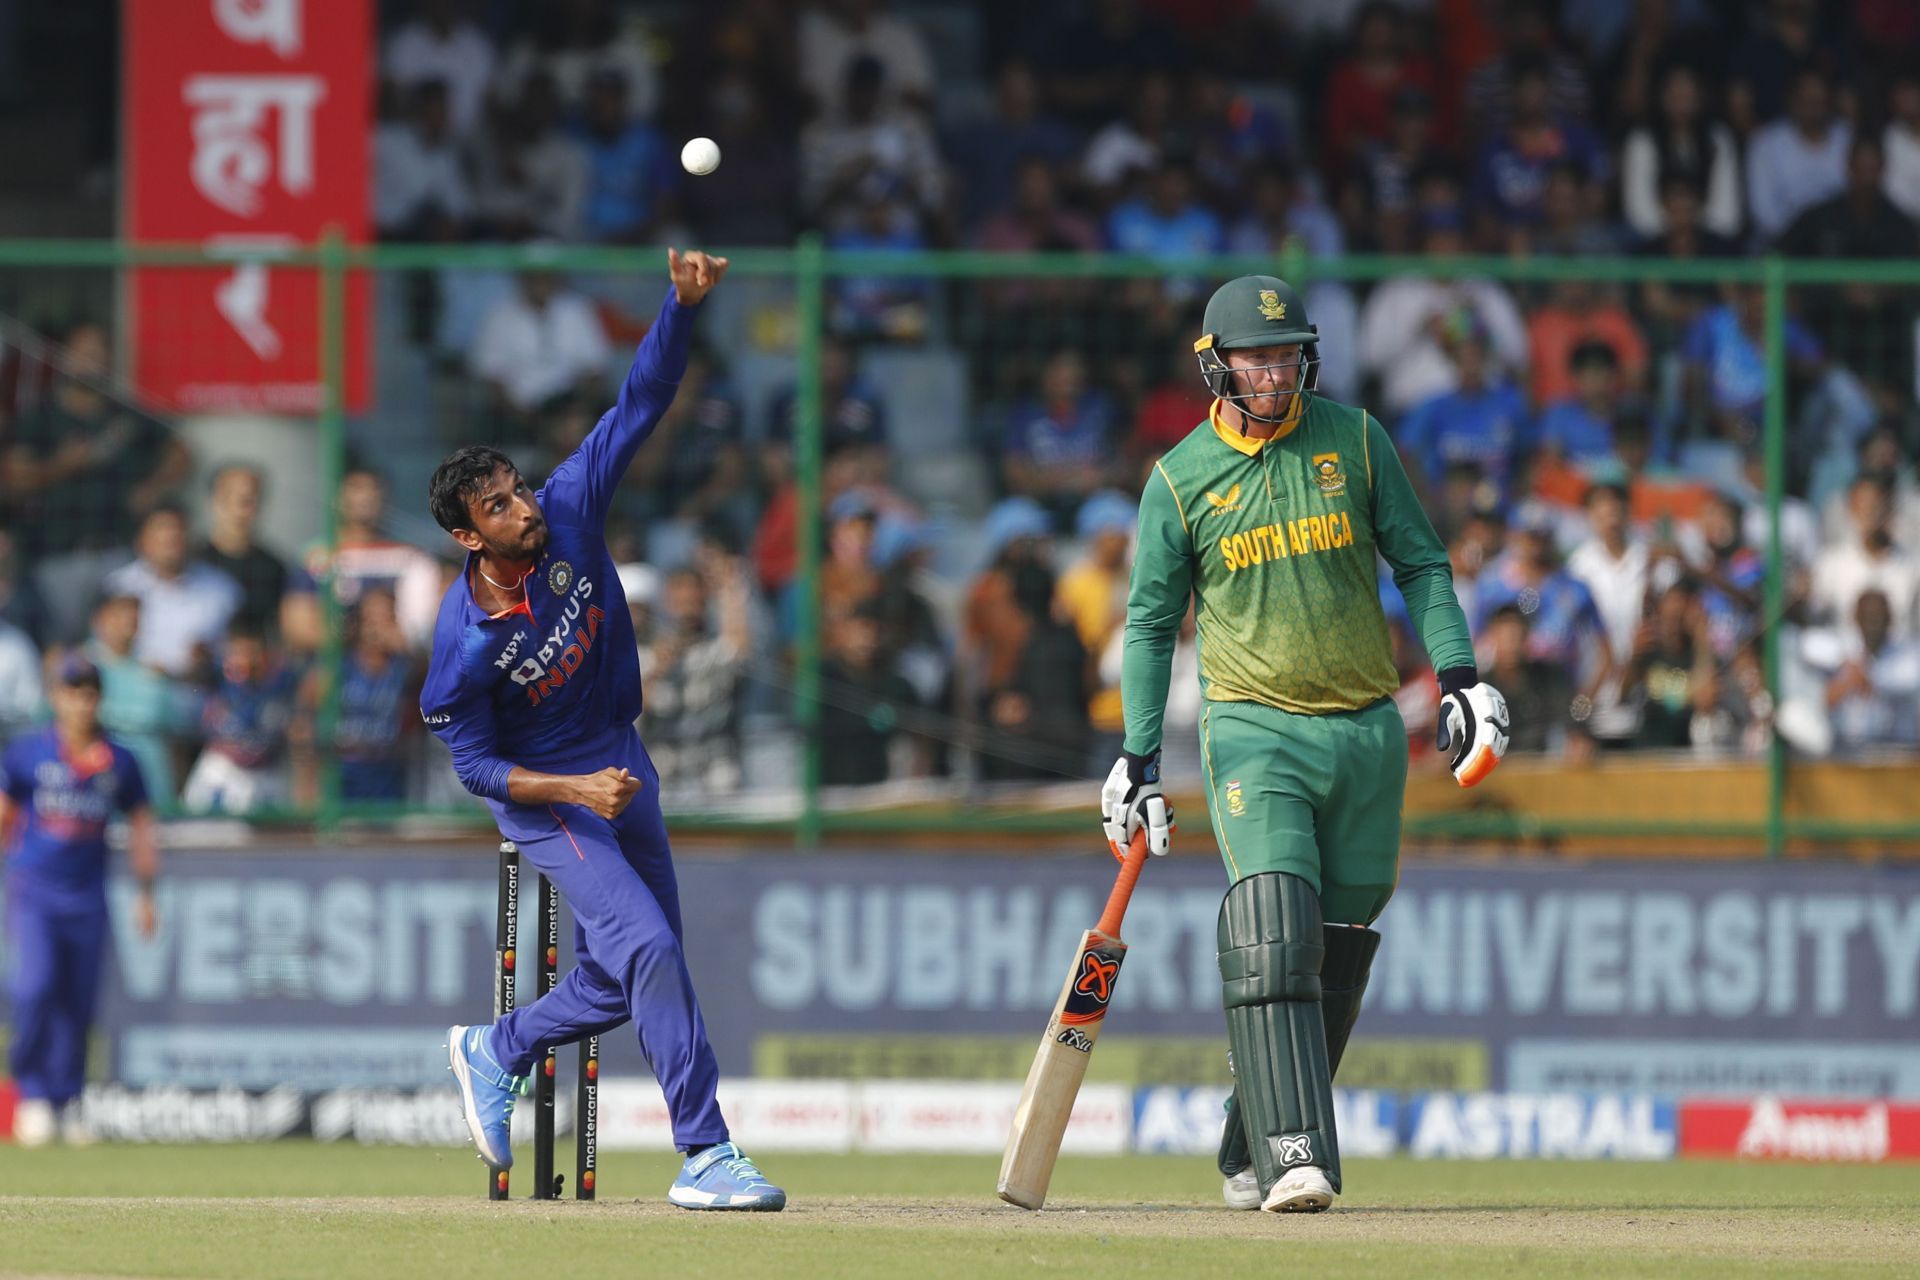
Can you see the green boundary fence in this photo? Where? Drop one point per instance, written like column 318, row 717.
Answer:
column 811, row 267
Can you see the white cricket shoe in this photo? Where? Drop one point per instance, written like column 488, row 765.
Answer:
column 74, row 1129
column 33, row 1122
column 1300, row 1190
column 1242, row 1190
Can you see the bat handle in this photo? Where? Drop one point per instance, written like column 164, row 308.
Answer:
column 1123, row 885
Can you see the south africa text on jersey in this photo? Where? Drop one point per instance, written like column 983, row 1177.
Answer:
column 1299, row 537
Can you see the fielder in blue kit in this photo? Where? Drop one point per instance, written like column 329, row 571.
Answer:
column 62, row 785
column 534, row 685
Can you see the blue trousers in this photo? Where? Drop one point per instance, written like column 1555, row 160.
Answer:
column 57, row 952
column 618, row 878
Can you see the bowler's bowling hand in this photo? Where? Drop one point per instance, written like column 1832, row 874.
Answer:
column 1473, row 725
column 607, row 792
column 694, row 274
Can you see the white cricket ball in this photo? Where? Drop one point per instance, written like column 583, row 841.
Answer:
column 700, row 156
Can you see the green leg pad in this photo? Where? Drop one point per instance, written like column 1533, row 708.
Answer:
column 1343, row 980
column 1272, row 946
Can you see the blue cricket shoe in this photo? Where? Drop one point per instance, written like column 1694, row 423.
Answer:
column 487, row 1092
column 722, row 1178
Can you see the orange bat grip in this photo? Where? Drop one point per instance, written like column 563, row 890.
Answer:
column 1123, row 886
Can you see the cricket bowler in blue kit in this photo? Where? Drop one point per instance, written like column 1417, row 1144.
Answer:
column 62, row 785
column 534, row 685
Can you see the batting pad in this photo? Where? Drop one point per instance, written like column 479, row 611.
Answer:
column 1272, row 946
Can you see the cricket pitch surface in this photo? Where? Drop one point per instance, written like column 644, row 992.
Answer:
column 297, row 1209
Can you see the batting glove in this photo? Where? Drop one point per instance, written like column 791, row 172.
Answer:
column 1131, row 799
column 1473, row 725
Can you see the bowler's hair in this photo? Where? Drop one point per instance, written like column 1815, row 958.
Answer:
column 461, row 477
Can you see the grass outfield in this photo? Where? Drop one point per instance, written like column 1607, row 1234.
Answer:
column 336, row 1211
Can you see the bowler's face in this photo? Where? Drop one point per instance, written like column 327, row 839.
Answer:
column 507, row 518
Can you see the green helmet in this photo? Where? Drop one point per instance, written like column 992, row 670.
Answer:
column 1256, row 311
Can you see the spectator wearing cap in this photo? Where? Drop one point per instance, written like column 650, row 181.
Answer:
column 1682, row 144
column 60, row 788
column 1579, row 427
column 1014, row 535
column 1058, row 445
column 633, row 184
column 911, row 603
column 1796, row 162
column 184, row 605
column 1870, row 676
column 1093, row 594
column 847, row 575
column 1482, row 422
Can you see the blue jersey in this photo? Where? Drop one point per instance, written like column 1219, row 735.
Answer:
column 555, row 682
column 62, row 804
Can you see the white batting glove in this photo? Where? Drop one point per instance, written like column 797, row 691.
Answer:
column 1131, row 799
column 1473, row 729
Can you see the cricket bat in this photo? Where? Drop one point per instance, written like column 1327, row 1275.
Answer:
column 1061, row 1064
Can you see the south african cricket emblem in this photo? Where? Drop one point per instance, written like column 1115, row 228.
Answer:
column 1270, row 305
column 1328, row 475
column 560, row 577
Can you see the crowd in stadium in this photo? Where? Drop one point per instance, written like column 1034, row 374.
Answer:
column 1590, row 449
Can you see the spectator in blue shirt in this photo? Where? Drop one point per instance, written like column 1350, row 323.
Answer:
column 1510, row 180
column 989, row 153
column 1726, row 368
column 1482, row 421
column 1167, row 222
column 1564, row 626
column 1059, row 446
column 632, row 181
column 1580, row 428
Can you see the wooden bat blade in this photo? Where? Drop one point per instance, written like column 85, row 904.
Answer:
column 1053, row 1082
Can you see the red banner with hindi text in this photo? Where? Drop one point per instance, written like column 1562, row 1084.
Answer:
column 247, row 128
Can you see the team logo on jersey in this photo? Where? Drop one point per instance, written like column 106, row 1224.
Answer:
column 1229, row 503
column 1328, row 475
column 560, row 577
column 1236, row 803
column 1270, row 305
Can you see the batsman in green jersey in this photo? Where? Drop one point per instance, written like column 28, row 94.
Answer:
column 1269, row 517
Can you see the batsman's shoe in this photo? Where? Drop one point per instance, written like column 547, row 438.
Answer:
column 1304, row 1189
column 487, row 1092
column 722, row 1178
column 33, row 1122
column 1242, row 1190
